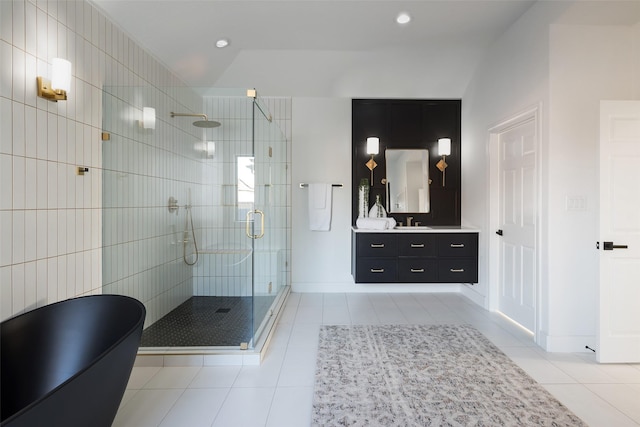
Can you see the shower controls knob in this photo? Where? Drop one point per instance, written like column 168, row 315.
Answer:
column 173, row 205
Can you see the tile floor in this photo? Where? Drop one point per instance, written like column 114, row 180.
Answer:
column 279, row 392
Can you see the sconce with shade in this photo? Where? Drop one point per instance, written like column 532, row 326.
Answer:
column 56, row 89
column 373, row 148
column 210, row 148
column 444, row 150
column 148, row 118
column 207, row 148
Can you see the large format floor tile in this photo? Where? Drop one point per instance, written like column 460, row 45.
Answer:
column 279, row 392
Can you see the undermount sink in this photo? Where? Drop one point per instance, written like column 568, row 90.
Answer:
column 413, row 227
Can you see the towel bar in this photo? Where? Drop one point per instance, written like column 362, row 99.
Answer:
column 305, row 185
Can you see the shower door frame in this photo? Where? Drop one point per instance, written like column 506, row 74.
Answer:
column 266, row 262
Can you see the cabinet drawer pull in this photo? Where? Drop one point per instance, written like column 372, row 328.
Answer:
column 457, row 245
column 417, row 245
column 417, row 270
column 377, row 245
column 457, row 270
column 377, row 270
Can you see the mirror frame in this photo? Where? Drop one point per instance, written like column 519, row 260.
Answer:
column 393, row 158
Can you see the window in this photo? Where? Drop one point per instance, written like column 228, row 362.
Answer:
column 245, row 181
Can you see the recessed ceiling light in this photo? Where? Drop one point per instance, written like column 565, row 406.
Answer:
column 403, row 18
column 222, row 43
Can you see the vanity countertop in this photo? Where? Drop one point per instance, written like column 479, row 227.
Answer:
column 421, row 229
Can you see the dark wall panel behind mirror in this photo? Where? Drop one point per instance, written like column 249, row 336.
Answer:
column 409, row 123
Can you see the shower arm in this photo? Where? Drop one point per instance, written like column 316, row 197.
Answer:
column 204, row 116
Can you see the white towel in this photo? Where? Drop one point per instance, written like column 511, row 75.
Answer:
column 319, row 207
column 375, row 223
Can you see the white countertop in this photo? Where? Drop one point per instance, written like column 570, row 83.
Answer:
column 421, row 229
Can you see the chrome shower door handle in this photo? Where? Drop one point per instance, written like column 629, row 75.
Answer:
column 247, row 228
column 258, row 236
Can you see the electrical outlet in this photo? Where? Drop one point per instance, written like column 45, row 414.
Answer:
column 576, row 203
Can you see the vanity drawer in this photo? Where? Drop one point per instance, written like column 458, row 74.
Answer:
column 421, row 270
column 417, row 244
column 376, row 270
column 463, row 270
column 458, row 245
column 377, row 245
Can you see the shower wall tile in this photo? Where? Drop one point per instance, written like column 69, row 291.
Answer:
column 65, row 235
column 52, row 220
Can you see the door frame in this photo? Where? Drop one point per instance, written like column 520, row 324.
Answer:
column 532, row 113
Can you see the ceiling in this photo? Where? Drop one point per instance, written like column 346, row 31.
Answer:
column 320, row 34
column 348, row 48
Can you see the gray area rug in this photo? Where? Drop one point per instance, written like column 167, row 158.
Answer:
column 425, row 375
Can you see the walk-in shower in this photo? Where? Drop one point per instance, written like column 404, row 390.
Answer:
column 212, row 265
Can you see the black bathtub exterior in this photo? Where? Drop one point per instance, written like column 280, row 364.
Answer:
column 68, row 363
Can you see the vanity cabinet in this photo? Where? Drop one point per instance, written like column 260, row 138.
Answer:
column 428, row 257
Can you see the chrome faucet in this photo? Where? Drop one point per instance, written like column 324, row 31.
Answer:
column 409, row 219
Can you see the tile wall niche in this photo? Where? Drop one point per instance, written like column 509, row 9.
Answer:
column 51, row 220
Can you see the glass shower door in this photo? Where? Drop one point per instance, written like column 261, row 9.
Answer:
column 270, row 217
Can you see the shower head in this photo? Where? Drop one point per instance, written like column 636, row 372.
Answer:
column 206, row 123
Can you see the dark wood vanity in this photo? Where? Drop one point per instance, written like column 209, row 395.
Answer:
column 437, row 255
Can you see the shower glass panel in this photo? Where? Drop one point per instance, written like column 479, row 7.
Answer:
column 270, row 249
column 196, row 221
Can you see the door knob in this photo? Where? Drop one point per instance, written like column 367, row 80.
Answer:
column 499, row 232
column 609, row 246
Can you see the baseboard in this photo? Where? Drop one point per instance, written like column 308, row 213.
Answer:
column 566, row 343
column 469, row 292
column 350, row 287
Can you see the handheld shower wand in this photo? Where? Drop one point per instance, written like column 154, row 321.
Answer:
column 185, row 240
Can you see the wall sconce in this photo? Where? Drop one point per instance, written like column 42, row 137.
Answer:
column 444, row 149
column 210, row 148
column 373, row 148
column 56, row 89
column 148, row 118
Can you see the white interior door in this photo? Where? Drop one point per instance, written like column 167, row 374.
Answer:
column 619, row 288
column 518, row 222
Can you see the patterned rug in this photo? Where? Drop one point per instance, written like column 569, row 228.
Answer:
column 425, row 375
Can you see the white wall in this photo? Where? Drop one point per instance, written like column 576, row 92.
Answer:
column 565, row 69
column 588, row 63
column 352, row 74
column 512, row 77
column 321, row 152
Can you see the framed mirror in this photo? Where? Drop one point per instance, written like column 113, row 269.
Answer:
column 407, row 181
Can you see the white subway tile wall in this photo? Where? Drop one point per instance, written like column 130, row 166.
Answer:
column 49, row 249
column 64, row 235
